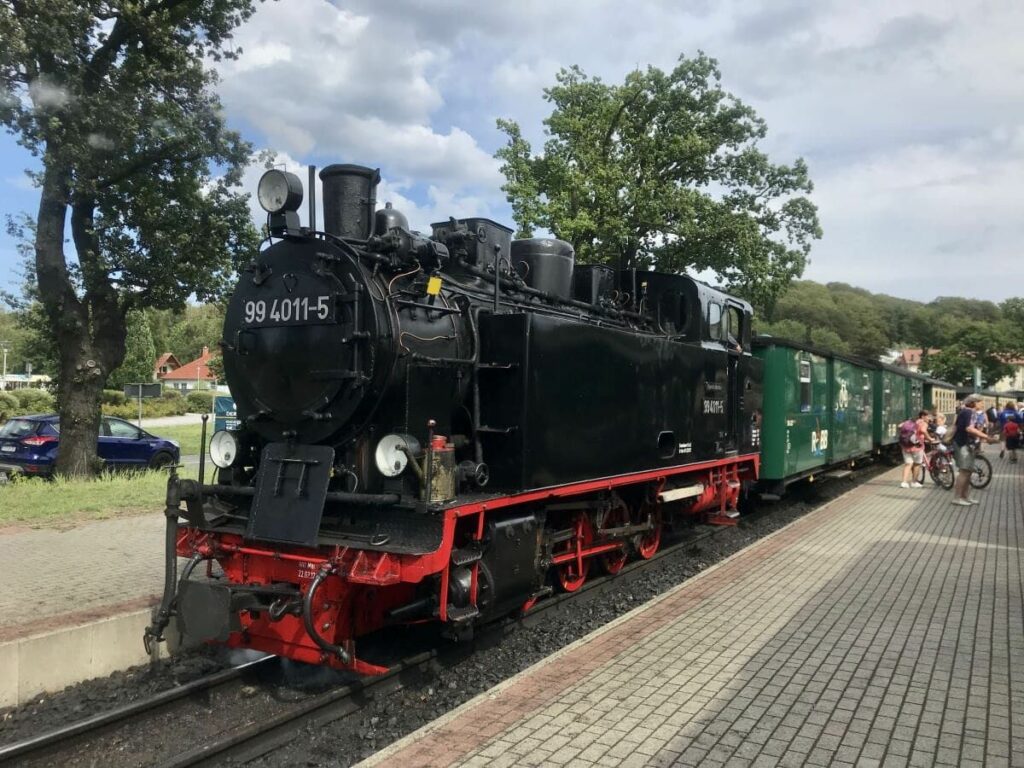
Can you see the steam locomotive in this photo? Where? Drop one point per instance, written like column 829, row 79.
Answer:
column 445, row 428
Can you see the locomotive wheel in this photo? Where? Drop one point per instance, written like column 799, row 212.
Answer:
column 573, row 574
column 647, row 543
column 617, row 516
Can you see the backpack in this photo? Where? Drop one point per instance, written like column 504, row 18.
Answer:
column 1011, row 429
column 908, row 433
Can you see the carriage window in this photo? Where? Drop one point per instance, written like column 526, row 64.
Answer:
column 672, row 314
column 715, row 321
column 867, row 391
column 805, row 386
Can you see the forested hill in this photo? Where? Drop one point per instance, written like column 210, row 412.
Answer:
column 854, row 320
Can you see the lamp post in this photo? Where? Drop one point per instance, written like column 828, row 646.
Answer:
column 3, row 381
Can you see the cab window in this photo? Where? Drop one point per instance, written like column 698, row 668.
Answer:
column 672, row 313
column 733, row 334
column 715, row 330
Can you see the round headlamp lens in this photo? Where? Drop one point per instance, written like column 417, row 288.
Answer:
column 279, row 191
column 223, row 449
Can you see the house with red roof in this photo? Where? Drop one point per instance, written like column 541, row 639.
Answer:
column 911, row 358
column 166, row 363
column 192, row 375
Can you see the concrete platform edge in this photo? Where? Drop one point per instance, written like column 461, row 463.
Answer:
column 48, row 662
column 386, row 753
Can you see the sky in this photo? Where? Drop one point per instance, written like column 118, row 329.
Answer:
column 909, row 113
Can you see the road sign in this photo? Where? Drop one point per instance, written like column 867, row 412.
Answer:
column 143, row 390
column 224, row 414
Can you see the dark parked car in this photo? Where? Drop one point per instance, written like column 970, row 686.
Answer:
column 29, row 444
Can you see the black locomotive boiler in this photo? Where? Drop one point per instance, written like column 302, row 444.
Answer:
column 446, row 427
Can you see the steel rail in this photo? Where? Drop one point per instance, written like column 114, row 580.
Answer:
column 37, row 746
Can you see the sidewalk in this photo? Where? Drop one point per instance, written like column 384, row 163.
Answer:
column 55, row 578
column 885, row 628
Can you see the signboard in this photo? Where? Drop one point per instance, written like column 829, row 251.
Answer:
column 143, row 390
column 224, row 414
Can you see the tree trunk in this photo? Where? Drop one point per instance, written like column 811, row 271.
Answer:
column 82, row 371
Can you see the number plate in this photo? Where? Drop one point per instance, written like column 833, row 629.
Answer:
column 288, row 310
column 9, row 448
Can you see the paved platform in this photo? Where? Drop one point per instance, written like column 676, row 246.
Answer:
column 75, row 601
column 886, row 628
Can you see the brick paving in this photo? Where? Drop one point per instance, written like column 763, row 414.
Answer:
column 884, row 629
column 53, row 578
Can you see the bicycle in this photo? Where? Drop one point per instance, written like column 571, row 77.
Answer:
column 941, row 465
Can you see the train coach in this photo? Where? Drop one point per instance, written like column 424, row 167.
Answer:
column 825, row 411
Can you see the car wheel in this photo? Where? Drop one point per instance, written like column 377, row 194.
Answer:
column 161, row 460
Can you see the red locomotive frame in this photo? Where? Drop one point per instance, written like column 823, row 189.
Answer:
column 370, row 583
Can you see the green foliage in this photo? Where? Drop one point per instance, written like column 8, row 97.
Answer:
column 200, row 401
column 113, row 397
column 194, row 328
column 171, row 394
column 115, row 100
column 140, row 354
column 8, row 406
column 151, row 408
column 664, row 171
column 835, row 312
column 985, row 345
column 34, row 400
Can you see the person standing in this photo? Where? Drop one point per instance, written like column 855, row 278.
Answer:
column 964, row 435
column 1009, row 424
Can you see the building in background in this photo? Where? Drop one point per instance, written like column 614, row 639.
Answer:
column 166, row 363
column 911, row 358
column 191, row 376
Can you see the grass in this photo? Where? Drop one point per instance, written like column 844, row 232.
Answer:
column 34, row 501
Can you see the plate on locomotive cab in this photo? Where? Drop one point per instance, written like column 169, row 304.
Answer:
column 290, row 493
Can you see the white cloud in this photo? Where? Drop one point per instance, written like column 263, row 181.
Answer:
column 910, row 113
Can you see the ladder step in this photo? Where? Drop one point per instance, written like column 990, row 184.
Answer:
column 457, row 615
column 467, row 555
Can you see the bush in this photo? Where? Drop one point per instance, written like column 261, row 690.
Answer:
column 113, row 397
column 201, row 400
column 151, row 409
column 171, row 394
column 8, row 405
column 34, row 400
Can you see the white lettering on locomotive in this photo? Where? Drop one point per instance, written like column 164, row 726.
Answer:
column 712, row 407
column 298, row 310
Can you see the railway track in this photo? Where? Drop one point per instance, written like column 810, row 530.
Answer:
column 252, row 738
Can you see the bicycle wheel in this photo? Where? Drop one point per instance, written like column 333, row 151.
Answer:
column 982, row 474
column 942, row 471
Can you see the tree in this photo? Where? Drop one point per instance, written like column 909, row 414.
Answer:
column 140, row 353
column 663, row 171
column 985, row 345
column 197, row 327
column 114, row 99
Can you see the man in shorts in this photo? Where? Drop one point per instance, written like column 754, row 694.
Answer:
column 964, row 435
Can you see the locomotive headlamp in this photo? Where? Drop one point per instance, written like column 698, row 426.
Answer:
column 279, row 191
column 392, row 454
column 223, row 449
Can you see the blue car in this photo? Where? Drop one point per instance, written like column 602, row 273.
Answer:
column 29, row 444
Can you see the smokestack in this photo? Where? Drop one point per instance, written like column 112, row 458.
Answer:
column 350, row 199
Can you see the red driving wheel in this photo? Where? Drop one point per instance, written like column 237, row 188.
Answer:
column 617, row 516
column 647, row 543
column 573, row 573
